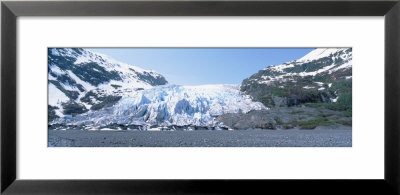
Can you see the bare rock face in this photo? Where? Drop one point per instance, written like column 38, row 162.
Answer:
column 257, row 119
column 286, row 118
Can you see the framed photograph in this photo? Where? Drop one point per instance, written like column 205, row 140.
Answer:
column 199, row 97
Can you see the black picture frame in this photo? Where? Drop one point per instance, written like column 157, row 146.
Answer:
column 10, row 10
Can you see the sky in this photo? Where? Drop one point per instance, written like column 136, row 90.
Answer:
column 200, row 66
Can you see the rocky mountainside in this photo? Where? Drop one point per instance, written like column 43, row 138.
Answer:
column 315, row 90
column 322, row 76
column 80, row 80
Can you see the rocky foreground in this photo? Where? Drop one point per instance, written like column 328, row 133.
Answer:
column 319, row 137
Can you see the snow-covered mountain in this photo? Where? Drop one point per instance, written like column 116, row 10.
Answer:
column 169, row 105
column 80, row 80
column 316, row 77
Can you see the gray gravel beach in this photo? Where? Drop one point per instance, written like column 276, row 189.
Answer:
column 202, row 138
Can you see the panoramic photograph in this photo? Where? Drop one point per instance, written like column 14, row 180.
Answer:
column 199, row 97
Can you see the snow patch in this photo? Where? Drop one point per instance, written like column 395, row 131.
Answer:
column 56, row 96
column 319, row 83
column 334, row 99
column 320, row 53
column 56, row 70
column 308, row 87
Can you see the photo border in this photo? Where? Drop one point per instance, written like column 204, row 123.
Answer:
column 10, row 10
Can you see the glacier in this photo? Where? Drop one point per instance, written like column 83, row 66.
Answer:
column 169, row 105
